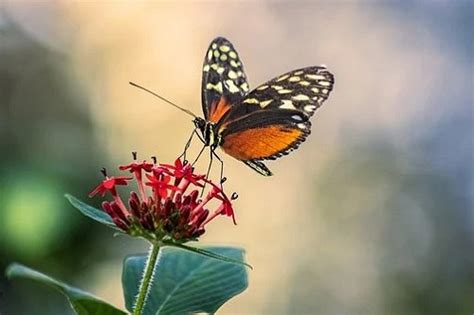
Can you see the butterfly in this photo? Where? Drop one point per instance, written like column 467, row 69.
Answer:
column 252, row 126
column 265, row 123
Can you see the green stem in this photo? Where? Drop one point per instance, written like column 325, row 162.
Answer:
column 146, row 279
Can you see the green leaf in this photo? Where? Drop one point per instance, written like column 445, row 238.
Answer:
column 209, row 254
column 91, row 212
column 82, row 302
column 186, row 282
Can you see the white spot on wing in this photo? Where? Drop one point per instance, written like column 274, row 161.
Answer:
column 297, row 117
column 244, row 86
column 216, row 53
column 294, row 79
column 284, row 91
column 220, row 70
column 251, row 101
column 283, row 78
column 315, row 90
column 224, row 48
column 233, row 63
column 325, row 91
column 324, row 83
column 231, row 86
column 300, row 97
column 304, row 83
column 309, row 108
column 223, row 57
column 209, row 55
column 263, row 87
column 232, row 74
column 217, row 87
column 314, row 76
column 287, row 104
column 265, row 103
column 232, row 55
column 301, row 126
column 206, row 68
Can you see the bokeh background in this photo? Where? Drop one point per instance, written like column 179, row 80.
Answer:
column 372, row 215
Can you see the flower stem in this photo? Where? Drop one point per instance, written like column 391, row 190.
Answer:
column 146, row 279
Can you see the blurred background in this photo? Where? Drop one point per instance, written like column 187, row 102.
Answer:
column 372, row 215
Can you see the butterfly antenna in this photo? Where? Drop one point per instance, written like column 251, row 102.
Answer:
column 164, row 99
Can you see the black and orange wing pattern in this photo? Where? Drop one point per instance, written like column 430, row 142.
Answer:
column 224, row 82
column 273, row 119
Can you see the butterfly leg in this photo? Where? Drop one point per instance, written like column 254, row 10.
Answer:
column 208, row 170
column 188, row 144
column 199, row 155
column 222, row 178
column 199, row 136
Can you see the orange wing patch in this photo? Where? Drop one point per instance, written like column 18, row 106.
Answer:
column 218, row 109
column 261, row 143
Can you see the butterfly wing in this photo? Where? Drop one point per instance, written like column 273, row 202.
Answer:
column 224, row 82
column 303, row 89
column 265, row 135
column 273, row 120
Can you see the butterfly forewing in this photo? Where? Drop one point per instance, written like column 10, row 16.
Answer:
column 223, row 82
column 303, row 89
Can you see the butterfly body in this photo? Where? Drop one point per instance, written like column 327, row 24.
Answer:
column 208, row 132
column 263, row 124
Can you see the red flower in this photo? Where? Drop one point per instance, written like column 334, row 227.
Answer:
column 136, row 169
column 173, row 209
column 161, row 184
column 108, row 184
column 180, row 170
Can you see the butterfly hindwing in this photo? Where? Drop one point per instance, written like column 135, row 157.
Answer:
column 224, row 82
column 265, row 134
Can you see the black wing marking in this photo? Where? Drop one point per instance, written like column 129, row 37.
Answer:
column 263, row 118
column 303, row 89
column 223, row 75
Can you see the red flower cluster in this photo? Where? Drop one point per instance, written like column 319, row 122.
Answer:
column 167, row 205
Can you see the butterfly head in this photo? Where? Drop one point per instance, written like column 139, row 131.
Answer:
column 200, row 123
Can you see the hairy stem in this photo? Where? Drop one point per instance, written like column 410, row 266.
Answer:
column 146, row 279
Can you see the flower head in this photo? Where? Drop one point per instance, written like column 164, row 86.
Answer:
column 167, row 205
column 109, row 184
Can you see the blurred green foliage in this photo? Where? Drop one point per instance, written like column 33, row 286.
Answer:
column 47, row 148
